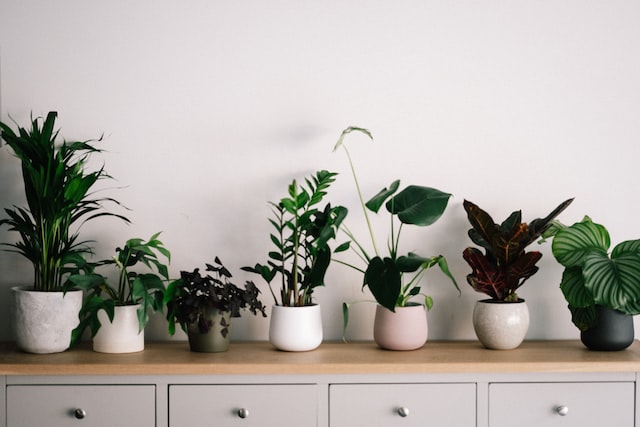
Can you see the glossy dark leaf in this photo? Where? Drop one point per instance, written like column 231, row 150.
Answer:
column 418, row 205
column 384, row 281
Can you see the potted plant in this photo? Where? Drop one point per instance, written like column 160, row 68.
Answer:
column 394, row 279
column 58, row 190
column 302, row 234
column 117, row 315
column 503, row 268
column 601, row 287
column 204, row 305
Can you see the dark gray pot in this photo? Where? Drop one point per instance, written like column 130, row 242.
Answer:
column 613, row 332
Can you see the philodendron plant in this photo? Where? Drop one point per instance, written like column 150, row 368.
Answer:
column 505, row 265
column 385, row 275
column 593, row 275
column 302, row 234
column 134, row 287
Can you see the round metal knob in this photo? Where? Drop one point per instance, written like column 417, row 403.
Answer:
column 562, row 410
column 243, row 413
column 79, row 413
column 403, row 412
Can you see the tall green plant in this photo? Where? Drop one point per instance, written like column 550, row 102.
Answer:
column 58, row 190
column 414, row 205
column 302, row 234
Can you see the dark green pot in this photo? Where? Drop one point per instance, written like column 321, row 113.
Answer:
column 212, row 341
column 613, row 332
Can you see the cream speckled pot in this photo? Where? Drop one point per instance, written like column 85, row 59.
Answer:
column 501, row 325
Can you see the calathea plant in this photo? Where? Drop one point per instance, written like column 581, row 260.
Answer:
column 133, row 287
column 58, row 189
column 593, row 275
column 303, row 230
column 385, row 275
column 505, row 265
column 190, row 298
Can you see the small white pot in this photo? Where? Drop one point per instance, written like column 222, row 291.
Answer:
column 501, row 325
column 44, row 320
column 404, row 329
column 121, row 336
column 295, row 328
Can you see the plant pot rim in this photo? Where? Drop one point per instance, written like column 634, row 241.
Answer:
column 495, row 301
column 29, row 288
column 296, row 306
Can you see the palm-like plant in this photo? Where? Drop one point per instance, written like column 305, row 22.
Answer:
column 57, row 187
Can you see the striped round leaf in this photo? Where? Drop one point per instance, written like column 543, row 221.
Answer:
column 574, row 290
column 613, row 282
column 572, row 244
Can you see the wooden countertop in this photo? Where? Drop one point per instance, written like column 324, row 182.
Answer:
column 258, row 358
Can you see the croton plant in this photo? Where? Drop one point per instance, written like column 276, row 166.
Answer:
column 505, row 265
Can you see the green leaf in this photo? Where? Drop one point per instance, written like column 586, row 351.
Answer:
column 571, row 244
column 615, row 282
column 384, row 279
column 418, row 205
column 376, row 202
column 574, row 290
column 347, row 131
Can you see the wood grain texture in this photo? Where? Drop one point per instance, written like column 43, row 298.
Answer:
column 257, row 358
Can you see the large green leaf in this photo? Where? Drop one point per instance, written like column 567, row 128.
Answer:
column 571, row 244
column 573, row 289
column 418, row 205
column 613, row 282
column 384, row 280
column 375, row 203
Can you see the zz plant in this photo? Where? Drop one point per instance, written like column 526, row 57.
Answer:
column 384, row 275
column 58, row 189
column 133, row 287
column 303, row 230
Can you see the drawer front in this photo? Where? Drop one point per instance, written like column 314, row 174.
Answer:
column 387, row 405
column 279, row 405
column 97, row 405
column 543, row 404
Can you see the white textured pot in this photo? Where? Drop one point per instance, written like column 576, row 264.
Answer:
column 121, row 336
column 404, row 329
column 295, row 328
column 501, row 325
column 44, row 320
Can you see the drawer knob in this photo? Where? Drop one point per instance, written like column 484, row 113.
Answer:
column 243, row 413
column 562, row 410
column 79, row 413
column 403, row 412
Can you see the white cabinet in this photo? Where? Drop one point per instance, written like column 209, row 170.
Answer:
column 282, row 405
column 406, row 405
column 78, row 405
column 578, row 404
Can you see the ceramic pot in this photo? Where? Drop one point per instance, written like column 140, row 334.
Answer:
column 122, row 335
column 613, row 332
column 501, row 325
column 295, row 328
column 212, row 341
column 44, row 320
column 404, row 329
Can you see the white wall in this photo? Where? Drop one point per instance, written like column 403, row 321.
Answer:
column 209, row 108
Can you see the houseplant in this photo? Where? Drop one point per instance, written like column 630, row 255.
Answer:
column 501, row 270
column 117, row 315
column 59, row 194
column 302, row 234
column 385, row 275
column 204, row 305
column 602, row 288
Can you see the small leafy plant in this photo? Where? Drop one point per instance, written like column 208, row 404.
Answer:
column 134, row 287
column 504, row 266
column 303, row 231
column 414, row 205
column 58, row 190
column 189, row 298
column 593, row 276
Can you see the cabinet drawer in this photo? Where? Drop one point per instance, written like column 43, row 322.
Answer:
column 102, row 405
column 444, row 405
column 539, row 404
column 279, row 405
